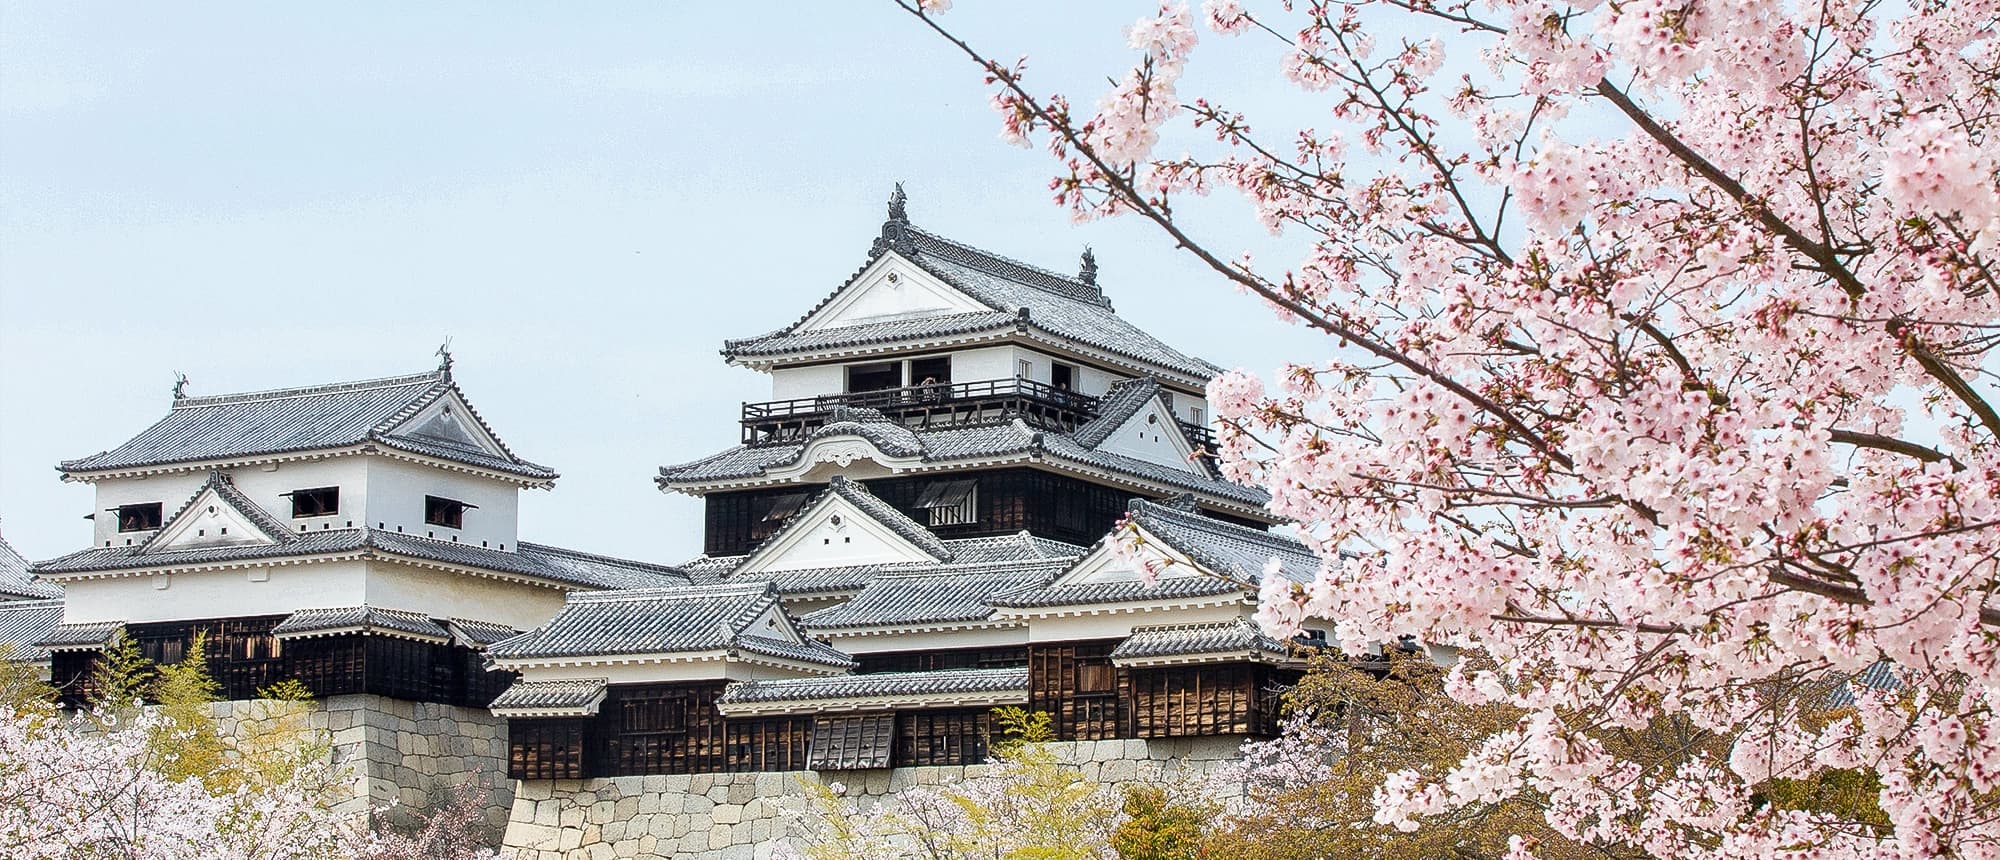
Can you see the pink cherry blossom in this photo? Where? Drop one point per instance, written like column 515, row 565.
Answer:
column 1661, row 373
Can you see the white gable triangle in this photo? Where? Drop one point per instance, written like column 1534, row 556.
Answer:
column 209, row 521
column 772, row 624
column 448, row 421
column 889, row 289
column 1109, row 562
column 1152, row 435
column 832, row 532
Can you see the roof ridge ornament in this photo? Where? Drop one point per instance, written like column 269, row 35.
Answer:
column 444, row 357
column 896, row 232
column 1087, row 273
column 180, row 385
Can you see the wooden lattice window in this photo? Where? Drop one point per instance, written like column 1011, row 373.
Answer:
column 545, row 749
column 951, row 503
column 662, row 728
column 1075, row 683
column 852, row 742
column 1196, row 701
column 769, row 744
column 941, row 738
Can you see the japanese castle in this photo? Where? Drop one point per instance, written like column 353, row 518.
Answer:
column 934, row 514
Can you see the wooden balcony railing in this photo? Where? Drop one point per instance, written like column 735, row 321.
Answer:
column 943, row 404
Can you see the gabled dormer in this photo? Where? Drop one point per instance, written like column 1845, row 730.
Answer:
column 844, row 526
column 218, row 515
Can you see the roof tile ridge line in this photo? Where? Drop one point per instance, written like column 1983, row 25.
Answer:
column 671, row 591
column 423, row 401
column 561, row 550
column 1095, row 431
column 1230, row 530
column 1029, row 323
column 306, row 390
column 737, row 626
column 896, row 520
column 1091, row 293
column 226, row 489
column 33, row 603
column 1215, row 567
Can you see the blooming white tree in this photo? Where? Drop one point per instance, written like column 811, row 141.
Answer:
column 1661, row 349
column 99, row 792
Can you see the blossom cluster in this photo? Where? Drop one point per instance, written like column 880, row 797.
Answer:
column 1667, row 340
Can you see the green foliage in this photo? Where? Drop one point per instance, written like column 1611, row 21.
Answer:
column 21, row 685
column 189, row 745
column 1019, row 728
column 1159, row 826
column 123, row 677
column 1849, row 794
column 288, row 690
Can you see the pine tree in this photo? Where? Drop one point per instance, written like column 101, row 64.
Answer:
column 188, row 744
column 123, row 676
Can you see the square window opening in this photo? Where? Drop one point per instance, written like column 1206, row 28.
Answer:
column 449, row 513
column 874, row 377
column 931, row 371
column 317, row 502
column 1063, row 376
column 143, row 517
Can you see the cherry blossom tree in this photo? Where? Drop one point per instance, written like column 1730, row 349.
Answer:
column 1661, row 348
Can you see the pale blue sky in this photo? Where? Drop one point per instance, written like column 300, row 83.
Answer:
column 588, row 198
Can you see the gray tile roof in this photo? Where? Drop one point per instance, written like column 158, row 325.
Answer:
column 360, row 619
column 709, row 570
column 24, row 625
column 1118, row 405
column 967, row 554
column 1237, row 638
column 847, row 692
column 80, row 637
column 788, row 340
column 531, row 560
column 1130, row 591
column 935, row 597
column 1232, row 559
column 695, row 618
column 16, row 582
column 1007, row 439
column 1235, row 551
column 578, row 697
column 302, row 419
column 1062, row 306
column 478, row 634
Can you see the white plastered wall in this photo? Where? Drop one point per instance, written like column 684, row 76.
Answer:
column 661, row 673
column 395, row 502
column 440, row 594
column 262, row 484
column 1117, row 625
column 263, row 590
column 991, row 637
